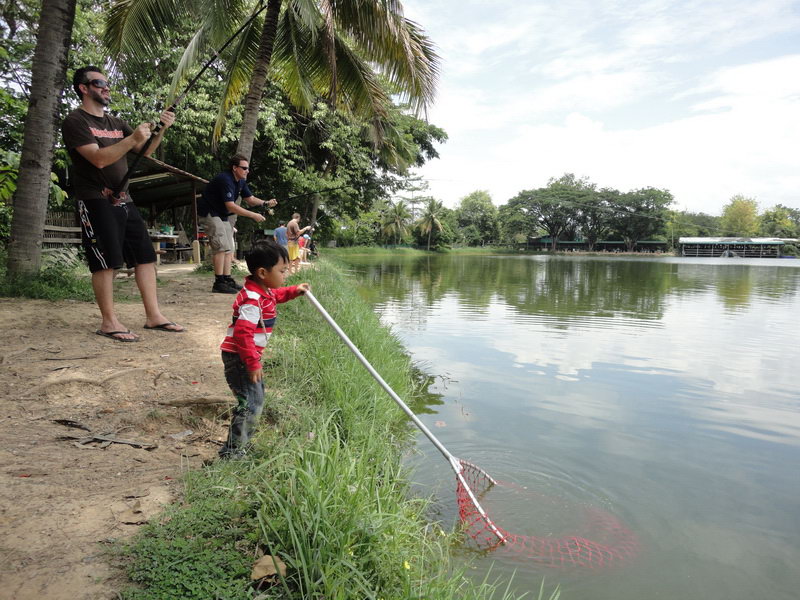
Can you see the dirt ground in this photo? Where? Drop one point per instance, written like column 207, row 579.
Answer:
column 65, row 495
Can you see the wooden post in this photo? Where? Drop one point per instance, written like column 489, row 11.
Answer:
column 194, row 211
column 196, row 251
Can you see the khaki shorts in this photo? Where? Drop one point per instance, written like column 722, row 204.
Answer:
column 294, row 251
column 219, row 232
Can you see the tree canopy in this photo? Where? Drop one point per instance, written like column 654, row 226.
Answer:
column 740, row 217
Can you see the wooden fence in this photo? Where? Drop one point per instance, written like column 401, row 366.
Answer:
column 61, row 230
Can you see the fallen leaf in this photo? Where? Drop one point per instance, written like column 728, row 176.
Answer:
column 440, row 424
column 266, row 567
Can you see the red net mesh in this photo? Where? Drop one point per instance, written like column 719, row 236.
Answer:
column 618, row 542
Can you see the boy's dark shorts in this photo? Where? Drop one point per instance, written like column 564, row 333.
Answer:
column 114, row 235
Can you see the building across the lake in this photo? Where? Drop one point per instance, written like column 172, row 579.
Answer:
column 546, row 243
column 741, row 247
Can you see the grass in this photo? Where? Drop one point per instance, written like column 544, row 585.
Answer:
column 373, row 251
column 484, row 250
column 322, row 489
column 63, row 276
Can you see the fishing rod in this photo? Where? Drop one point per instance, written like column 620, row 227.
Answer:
column 319, row 191
column 316, row 192
column 123, row 184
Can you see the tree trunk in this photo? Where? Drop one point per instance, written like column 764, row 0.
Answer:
column 314, row 209
column 325, row 174
column 430, row 231
column 258, row 80
column 33, row 184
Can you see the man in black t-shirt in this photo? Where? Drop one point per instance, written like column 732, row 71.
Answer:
column 113, row 230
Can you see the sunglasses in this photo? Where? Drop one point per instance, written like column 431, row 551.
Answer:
column 98, row 83
column 243, row 168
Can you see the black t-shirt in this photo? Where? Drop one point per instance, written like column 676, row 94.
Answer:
column 223, row 188
column 79, row 129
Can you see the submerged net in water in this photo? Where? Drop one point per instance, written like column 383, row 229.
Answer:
column 618, row 542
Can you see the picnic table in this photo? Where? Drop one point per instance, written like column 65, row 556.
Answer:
column 157, row 238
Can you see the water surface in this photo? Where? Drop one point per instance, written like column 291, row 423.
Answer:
column 663, row 392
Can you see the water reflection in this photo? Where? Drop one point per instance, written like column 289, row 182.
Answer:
column 662, row 391
column 573, row 288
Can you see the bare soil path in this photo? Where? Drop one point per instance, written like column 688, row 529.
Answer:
column 65, row 495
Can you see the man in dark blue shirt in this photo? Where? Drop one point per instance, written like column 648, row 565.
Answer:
column 214, row 209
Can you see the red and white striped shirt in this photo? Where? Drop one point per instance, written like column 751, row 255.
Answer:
column 254, row 316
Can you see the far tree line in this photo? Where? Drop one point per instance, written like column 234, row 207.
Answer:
column 568, row 208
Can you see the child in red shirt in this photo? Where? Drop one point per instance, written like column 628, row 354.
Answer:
column 254, row 316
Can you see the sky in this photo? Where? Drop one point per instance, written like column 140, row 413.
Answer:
column 699, row 98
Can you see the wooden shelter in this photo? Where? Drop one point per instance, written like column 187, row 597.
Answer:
column 730, row 247
column 160, row 187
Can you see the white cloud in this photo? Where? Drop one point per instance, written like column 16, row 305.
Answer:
column 663, row 93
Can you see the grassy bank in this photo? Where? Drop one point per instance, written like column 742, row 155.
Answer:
column 322, row 490
column 63, row 276
column 373, row 251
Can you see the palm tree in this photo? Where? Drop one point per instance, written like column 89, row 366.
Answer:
column 395, row 220
column 430, row 219
column 47, row 80
column 311, row 48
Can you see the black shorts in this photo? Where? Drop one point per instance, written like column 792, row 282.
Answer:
column 113, row 235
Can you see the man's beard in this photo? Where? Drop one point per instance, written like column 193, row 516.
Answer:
column 98, row 97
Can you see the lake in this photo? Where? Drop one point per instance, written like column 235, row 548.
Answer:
column 660, row 392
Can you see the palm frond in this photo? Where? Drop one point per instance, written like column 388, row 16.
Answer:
column 239, row 69
column 327, row 10
column 359, row 88
column 291, row 63
column 397, row 45
column 132, row 26
column 194, row 49
column 220, row 19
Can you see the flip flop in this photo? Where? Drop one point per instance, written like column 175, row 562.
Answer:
column 166, row 327
column 113, row 335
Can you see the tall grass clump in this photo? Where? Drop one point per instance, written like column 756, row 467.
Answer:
column 63, row 276
column 322, row 488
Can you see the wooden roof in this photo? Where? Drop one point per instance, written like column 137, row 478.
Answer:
column 160, row 186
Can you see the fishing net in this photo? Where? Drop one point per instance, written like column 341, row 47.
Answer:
column 617, row 543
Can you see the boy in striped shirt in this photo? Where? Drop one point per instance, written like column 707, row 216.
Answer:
column 254, row 315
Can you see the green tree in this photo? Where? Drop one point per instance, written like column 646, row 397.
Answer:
column 430, row 223
column 558, row 205
column 413, row 193
column 595, row 215
column 777, row 222
column 680, row 224
column 641, row 214
column 396, row 220
column 740, row 217
column 517, row 218
column 476, row 216
column 48, row 72
column 311, row 49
